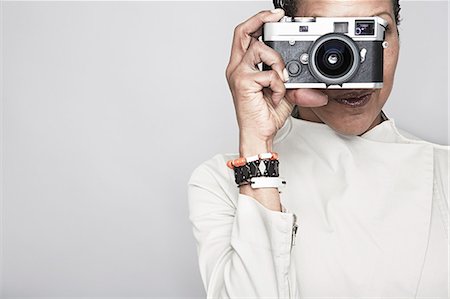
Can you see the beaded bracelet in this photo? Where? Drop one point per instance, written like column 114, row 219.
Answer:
column 241, row 161
column 262, row 165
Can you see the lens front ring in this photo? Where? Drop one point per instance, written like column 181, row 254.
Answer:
column 338, row 45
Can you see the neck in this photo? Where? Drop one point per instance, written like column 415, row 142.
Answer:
column 378, row 120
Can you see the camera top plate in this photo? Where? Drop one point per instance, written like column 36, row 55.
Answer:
column 311, row 28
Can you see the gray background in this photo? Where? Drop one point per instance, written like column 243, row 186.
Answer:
column 107, row 107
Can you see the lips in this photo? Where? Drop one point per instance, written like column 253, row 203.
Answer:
column 353, row 99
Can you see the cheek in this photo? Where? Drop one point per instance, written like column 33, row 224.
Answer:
column 390, row 61
column 390, row 64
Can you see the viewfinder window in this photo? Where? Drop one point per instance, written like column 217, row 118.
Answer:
column 363, row 27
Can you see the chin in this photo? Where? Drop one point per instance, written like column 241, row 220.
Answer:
column 353, row 122
column 353, row 126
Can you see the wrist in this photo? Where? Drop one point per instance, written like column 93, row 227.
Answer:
column 251, row 145
column 268, row 197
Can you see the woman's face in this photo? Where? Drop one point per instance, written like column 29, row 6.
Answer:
column 342, row 117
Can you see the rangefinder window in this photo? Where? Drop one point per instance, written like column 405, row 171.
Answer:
column 365, row 27
column 341, row 27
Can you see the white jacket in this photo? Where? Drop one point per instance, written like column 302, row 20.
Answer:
column 372, row 216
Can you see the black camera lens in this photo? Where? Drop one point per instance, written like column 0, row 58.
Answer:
column 334, row 58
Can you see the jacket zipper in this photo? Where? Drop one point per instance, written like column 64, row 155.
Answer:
column 294, row 230
column 293, row 236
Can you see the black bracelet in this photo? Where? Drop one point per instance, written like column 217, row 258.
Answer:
column 258, row 168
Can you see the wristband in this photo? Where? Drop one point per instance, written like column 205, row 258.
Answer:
column 262, row 182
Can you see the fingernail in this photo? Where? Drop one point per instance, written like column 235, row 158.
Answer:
column 324, row 99
column 277, row 10
column 285, row 75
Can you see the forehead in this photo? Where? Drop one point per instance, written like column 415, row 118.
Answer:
column 343, row 8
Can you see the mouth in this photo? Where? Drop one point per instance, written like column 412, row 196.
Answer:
column 354, row 100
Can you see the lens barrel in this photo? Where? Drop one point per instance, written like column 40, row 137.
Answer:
column 334, row 59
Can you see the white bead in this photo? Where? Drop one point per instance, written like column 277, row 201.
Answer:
column 252, row 158
column 265, row 156
column 262, row 167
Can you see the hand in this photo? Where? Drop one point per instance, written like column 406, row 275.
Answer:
column 259, row 96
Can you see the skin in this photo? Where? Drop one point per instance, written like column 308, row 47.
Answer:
column 346, row 120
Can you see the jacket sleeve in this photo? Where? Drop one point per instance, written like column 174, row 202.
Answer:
column 244, row 248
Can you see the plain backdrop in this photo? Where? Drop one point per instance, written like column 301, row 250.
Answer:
column 107, row 107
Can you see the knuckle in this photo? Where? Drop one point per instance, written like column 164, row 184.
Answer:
column 257, row 46
column 273, row 76
column 239, row 29
column 260, row 45
column 240, row 82
column 235, row 80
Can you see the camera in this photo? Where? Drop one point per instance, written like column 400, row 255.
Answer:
column 329, row 52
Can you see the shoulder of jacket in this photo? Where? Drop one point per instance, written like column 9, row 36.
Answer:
column 411, row 138
column 214, row 166
column 409, row 135
column 214, row 175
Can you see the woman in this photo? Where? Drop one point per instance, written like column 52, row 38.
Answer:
column 370, row 201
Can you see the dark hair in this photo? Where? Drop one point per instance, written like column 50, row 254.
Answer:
column 290, row 7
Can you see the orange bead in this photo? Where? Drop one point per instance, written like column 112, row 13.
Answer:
column 239, row 162
column 274, row 156
column 230, row 164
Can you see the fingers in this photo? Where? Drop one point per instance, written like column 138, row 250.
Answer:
column 307, row 97
column 272, row 80
column 247, row 30
column 259, row 52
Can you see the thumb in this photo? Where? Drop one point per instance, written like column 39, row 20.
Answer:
column 306, row 97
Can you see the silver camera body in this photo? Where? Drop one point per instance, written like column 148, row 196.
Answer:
column 329, row 52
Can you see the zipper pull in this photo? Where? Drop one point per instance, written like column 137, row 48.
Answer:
column 294, row 230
